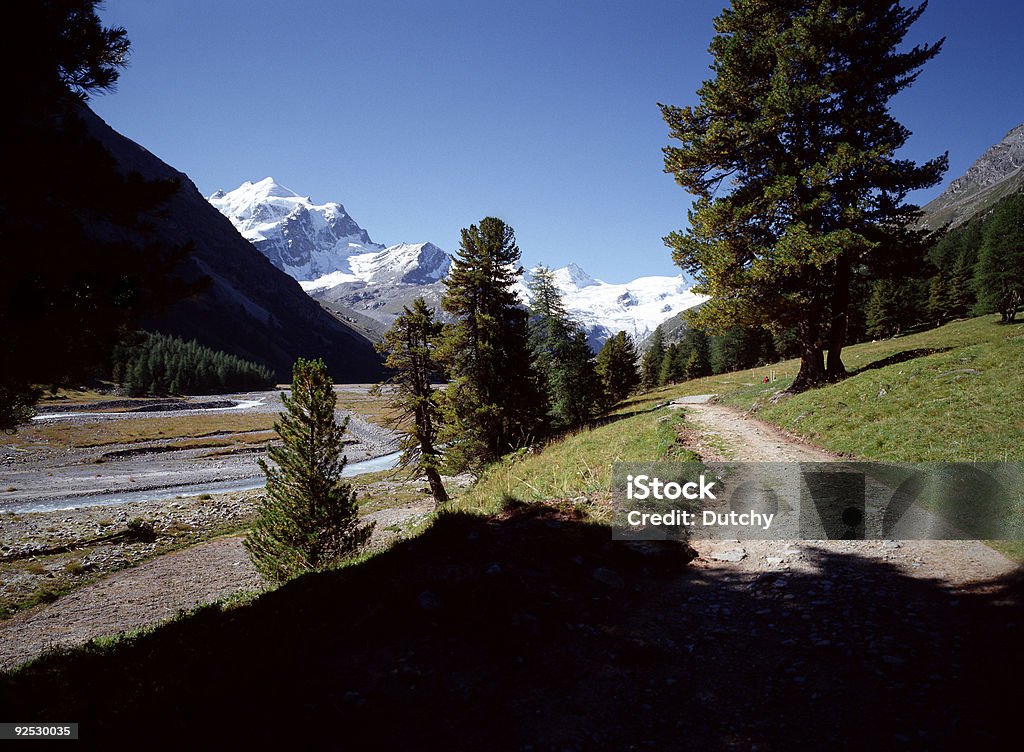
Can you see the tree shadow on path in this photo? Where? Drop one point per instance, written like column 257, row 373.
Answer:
column 536, row 631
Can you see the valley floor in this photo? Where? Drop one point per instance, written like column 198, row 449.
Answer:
column 73, row 480
column 115, row 451
column 150, row 592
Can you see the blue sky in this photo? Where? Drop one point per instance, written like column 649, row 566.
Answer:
column 424, row 117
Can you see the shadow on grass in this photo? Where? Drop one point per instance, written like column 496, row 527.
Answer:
column 536, row 631
column 900, row 357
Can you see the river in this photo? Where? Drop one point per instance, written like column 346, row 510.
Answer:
column 372, row 465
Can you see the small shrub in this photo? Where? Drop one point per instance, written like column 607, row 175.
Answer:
column 140, row 529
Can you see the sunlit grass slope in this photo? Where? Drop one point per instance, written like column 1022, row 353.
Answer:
column 579, row 464
column 949, row 394
column 955, row 393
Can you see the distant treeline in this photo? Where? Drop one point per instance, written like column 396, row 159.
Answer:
column 699, row 354
column 976, row 268
column 159, row 364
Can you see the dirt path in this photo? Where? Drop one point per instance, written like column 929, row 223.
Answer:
column 750, row 439
column 727, row 434
column 156, row 590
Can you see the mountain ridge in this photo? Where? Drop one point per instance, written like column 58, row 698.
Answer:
column 994, row 175
column 249, row 308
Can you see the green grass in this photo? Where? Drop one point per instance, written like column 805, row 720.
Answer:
column 580, row 463
column 957, row 397
column 962, row 402
column 960, row 405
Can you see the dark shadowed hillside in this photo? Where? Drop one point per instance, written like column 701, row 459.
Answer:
column 249, row 308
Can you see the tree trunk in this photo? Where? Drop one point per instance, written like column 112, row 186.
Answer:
column 835, row 370
column 812, row 358
column 436, row 486
column 812, row 369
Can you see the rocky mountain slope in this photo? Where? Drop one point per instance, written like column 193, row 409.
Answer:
column 248, row 307
column 997, row 173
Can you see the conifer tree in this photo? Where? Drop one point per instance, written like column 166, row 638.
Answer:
column 617, row 368
column 665, row 374
column 408, row 347
column 307, row 518
column 699, row 362
column 1000, row 272
column 893, row 306
column 792, row 153
column 561, row 355
column 650, row 363
column 939, row 303
column 961, row 285
column 492, row 403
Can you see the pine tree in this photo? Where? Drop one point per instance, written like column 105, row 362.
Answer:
column 939, row 304
column 409, row 349
column 893, row 306
column 961, row 285
column 561, row 355
column 699, row 362
column 650, row 363
column 792, row 153
column 492, row 403
column 575, row 386
column 666, row 372
column 156, row 364
column 616, row 366
column 1000, row 272
column 307, row 518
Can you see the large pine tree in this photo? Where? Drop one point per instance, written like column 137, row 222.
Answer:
column 308, row 518
column 492, row 403
column 409, row 347
column 791, row 153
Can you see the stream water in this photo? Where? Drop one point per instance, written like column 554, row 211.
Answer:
column 372, row 465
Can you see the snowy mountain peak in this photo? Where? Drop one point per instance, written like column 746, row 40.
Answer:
column 405, row 263
column 303, row 239
column 573, row 276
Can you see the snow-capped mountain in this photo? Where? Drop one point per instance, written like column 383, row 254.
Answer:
column 605, row 309
column 402, row 264
column 368, row 285
column 302, row 239
column 320, row 244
